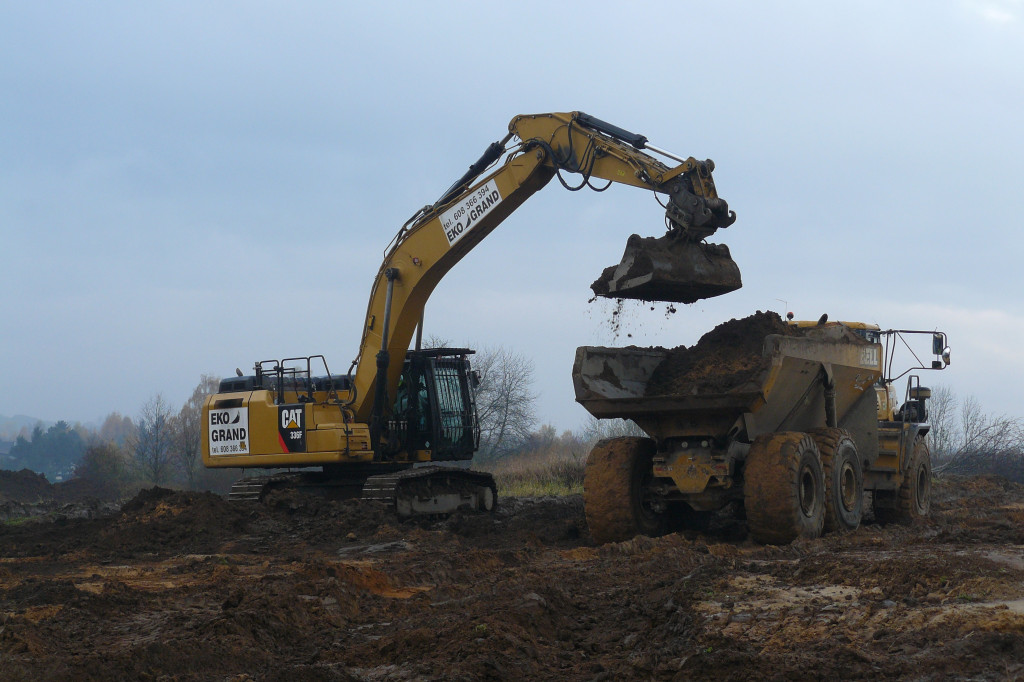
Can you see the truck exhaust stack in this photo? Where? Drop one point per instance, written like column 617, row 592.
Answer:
column 669, row 269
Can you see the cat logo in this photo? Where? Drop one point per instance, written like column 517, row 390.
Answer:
column 291, row 418
column 290, row 428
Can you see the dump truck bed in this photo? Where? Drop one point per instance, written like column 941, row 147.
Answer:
column 734, row 391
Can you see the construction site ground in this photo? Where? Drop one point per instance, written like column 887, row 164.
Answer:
column 179, row 586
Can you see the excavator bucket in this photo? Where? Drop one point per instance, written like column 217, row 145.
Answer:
column 670, row 269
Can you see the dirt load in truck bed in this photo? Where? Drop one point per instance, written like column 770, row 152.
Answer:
column 725, row 358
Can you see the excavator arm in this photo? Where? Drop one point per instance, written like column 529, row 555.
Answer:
column 587, row 145
column 538, row 148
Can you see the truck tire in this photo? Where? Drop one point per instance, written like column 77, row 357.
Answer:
column 844, row 479
column 614, row 498
column 913, row 499
column 784, row 488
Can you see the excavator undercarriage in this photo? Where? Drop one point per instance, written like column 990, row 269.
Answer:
column 419, row 491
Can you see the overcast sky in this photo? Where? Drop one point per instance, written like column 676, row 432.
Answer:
column 188, row 187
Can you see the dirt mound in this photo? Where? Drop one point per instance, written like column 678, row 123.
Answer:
column 518, row 523
column 158, row 520
column 24, row 486
column 28, row 487
column 725, row 358
column 80, row 489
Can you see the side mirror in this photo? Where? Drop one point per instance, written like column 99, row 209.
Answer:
column 474, row 379
column 945, row 355
column 938, row 343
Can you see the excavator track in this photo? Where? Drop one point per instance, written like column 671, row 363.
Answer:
column 339, row 485
column 433, row 490
column 253, row 489
column 423, row 491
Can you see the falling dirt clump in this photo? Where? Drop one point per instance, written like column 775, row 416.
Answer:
column 615, row 317
column 725, row 358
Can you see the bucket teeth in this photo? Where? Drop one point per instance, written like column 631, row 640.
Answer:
column 667, row 269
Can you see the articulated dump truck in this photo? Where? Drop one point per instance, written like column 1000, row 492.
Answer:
column 789, row 423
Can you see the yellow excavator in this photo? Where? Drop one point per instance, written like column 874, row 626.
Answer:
column 366, row 429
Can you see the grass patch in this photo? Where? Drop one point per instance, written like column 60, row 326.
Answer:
column 546, row 472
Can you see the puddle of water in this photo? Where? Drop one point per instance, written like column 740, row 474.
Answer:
column 1016, row 606
column 1014, row 560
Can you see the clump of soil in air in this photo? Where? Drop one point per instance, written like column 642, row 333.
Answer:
column 726, row 357
column 615, row 322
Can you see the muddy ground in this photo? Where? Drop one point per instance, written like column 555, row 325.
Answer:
column 180, row 586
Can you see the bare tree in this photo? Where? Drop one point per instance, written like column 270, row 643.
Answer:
column 966, row 440
column 189, row 430
column 543, row 438
column 546, row 439
column 432, row 341
column 942, row 409
column 597, row 429
column 505, row 400
column 504, row 397
column 154, row 440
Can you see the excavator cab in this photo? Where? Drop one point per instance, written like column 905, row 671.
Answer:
column 434, row 415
